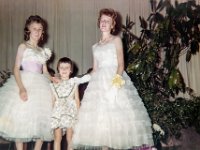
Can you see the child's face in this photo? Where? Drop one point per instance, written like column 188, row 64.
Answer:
column 64, row 70
column 36, row 30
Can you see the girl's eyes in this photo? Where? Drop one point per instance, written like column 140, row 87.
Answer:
column 65, row 68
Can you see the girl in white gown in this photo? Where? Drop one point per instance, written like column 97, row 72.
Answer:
column 26, row 99
column 112, row 115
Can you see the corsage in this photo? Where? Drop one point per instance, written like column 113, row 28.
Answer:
column 45, row 55
column 118, row 81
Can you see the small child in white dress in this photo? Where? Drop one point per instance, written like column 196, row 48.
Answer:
column 66, row 102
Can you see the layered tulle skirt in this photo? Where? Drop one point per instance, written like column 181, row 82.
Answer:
column 26, row 120
column 110, row 117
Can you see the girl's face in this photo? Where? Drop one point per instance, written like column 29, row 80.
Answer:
column 36, row 30
column 106, row 23
column 64, row 70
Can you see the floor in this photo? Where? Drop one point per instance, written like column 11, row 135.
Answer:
column 11, row 145
column 190, row 141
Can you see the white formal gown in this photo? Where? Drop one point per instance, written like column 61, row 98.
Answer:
column 110, row 117
column 27, row 120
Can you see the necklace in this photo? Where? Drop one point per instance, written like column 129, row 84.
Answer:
column 105, row 40
column 30, row 45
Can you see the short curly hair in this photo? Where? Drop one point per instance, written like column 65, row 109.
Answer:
column 36, row 19
column 116, row 17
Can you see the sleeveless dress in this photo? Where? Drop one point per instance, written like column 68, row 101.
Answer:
column 27, row 120
column 110, row 117
column 65, row 110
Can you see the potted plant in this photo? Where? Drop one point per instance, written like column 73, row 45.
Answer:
column 151, row 60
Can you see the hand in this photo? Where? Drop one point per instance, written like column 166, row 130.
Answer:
column 55, row 80
column 23, row 94
column 118, row 81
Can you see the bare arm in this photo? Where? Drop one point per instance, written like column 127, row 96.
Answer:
column 45, row 71
column 120, row 55
column 47, row 74
column 118, row 79
column 19, row 56
column 76, row 96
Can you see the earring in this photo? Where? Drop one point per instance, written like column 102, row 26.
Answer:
column 112, row 30
column 41, row 37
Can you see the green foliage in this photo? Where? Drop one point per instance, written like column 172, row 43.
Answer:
column 151, row 61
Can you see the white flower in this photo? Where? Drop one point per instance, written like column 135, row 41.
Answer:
column 47, row 52
column 156, row 127
column 45, row 55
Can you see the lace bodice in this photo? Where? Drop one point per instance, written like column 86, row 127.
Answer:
column 105, row 55
column 33, row 60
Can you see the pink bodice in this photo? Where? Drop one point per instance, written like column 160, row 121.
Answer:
column 32, row 66
column 33, row 60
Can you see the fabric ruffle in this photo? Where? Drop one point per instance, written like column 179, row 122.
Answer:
column 111, row 117
column 40, row 56
column 26, row 120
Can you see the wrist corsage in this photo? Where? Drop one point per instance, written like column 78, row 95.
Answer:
column 118, row 81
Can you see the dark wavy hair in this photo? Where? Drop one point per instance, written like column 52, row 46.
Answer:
column 36, row 19
column 65, row 60
column 116, row 17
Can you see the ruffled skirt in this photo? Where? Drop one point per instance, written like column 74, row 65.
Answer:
column 26, row 120
column 110, row 117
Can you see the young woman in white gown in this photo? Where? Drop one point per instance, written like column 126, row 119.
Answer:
column 112, row 115
column 26, row 99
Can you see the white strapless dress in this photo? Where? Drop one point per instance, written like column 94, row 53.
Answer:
column 27, row 120
column 110, row 117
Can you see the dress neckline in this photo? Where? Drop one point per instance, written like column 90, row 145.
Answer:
column 29, row 46
column 105, row 43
